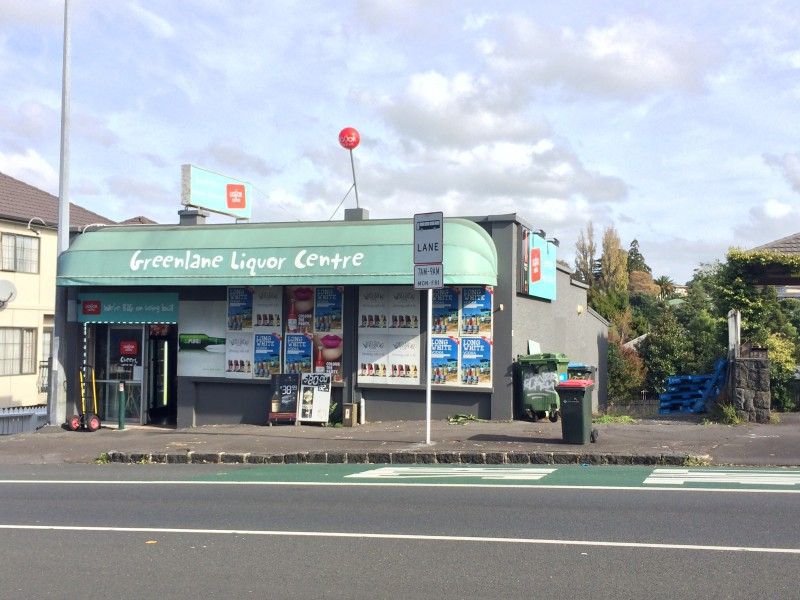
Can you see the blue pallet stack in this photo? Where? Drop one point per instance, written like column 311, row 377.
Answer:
column 691, row 393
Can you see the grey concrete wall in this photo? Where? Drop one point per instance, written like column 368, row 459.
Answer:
column 384, row 404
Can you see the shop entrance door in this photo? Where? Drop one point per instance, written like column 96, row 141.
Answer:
column 162, row 375
column 125, row 365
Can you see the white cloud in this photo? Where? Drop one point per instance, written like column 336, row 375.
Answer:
column 788, row 165
column 31, row 168
column 775, row 209
column 157, row 26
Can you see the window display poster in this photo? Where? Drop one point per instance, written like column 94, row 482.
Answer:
column 240, row 309
column 315, row 397
column 267, row 357
column 444, row 360
column 201, row 339
column 372, row 304
column 402, row 309
column 445, row 311
column 476, row 361
column 239, row 355
column 403, row 360
column 267, row 306
column 300, row 312
column 328, row 309
column 298, row 355
column 373, row 358
column 476, row 311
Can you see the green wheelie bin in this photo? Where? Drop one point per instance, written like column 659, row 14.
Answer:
column 536, row 378
column 576, row 411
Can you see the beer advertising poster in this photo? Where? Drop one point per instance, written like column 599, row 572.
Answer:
column 372, row 304
column 201, row 339
column 267, row 307
column 445, row 311
column 328, row 309
column 444, row 360
column 402, row 310
column 373, row 358
column 298, row 353
column 476, row 311
column 403, row 360
column 315, row 398
column 476, row 361
column 240, row 309
column 267, row 357
column 239, row 355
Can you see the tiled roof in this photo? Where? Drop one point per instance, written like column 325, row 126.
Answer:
column 789, row 244
column 22, row 202
column 140, row 220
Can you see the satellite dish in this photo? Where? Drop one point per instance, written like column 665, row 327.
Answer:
column 8, row 291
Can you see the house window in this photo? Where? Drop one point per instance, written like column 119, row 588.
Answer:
column 17, row 351
column 19, row 253
column 47, row 345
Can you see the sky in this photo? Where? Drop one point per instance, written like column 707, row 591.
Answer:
column 675, row 122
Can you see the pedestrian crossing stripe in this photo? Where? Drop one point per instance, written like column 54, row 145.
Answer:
column 741, row 477
column 488, row 473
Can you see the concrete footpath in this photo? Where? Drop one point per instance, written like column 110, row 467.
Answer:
column 667, row 440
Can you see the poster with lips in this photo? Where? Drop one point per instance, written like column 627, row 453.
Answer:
column 300, row 311
column 476, row 361
column 328, row 338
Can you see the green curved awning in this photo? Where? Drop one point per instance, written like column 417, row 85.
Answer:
column 378, row 252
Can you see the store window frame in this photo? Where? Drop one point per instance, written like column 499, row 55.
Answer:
column 21, row 359
column 24, row 259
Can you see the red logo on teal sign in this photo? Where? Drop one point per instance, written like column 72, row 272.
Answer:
column 91, row 307
column 236, row 196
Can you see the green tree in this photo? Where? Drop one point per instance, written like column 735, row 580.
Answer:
column 626, row 372
column 636, row 259
column 665, row 285
column 782, row 364
column 666, row 351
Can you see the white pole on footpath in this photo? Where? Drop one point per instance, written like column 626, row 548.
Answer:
column 57, row 401
column 428, row 369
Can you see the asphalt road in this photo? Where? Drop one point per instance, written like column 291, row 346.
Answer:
column 145, row 538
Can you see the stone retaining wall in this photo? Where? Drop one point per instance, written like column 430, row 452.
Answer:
column 751, row 392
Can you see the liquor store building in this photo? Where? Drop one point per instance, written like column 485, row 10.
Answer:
column 193, row 320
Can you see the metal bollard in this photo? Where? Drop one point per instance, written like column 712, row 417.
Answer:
column 121, row 410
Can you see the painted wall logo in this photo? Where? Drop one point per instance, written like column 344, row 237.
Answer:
column 236, row 195
column 128, row 348
column 91, row 307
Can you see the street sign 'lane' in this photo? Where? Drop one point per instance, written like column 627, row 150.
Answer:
column 428, row 238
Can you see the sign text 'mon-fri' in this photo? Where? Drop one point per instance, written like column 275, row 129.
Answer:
column 428, row 238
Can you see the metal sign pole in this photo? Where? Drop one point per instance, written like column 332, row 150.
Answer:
column 428, row 369
column 353, row 167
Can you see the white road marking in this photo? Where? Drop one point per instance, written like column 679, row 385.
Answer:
column 400, row 484
column 740, row 477
column 493, row 473
column 400, row 536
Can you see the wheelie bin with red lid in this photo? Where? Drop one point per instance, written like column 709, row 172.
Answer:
column 576, row 411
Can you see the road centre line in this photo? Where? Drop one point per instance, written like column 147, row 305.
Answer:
column 531, row 486
column 400, row 536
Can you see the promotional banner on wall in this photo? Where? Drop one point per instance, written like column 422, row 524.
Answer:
column 445, row 311
column 299, row 348
column 542, row 268
column 201, row 339
column 444, row 360
column 388, row 337
column 328, row 335
column 267, row 308
column 240, row 309
column 239, row 355
column 476, row 361
column 267, row 357
column 476, row 311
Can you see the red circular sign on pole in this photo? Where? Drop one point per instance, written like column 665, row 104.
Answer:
column 349, row 138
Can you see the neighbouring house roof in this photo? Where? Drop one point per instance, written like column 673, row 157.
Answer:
column 140, row 220
column 22, row 202
column 789, row 244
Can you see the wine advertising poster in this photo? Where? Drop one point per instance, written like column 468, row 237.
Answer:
column 403, row 360
column 476, row 311
column 267, row 356
column 239, row 355
column 372, row 307
column 373, row 357
column 444, row 360
column 476, row 361
column 267, row 307
column 403, row 309
column 201, row 338
column 240, row 309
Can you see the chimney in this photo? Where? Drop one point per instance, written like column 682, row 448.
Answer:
column 356, row 214
column 192, row 216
